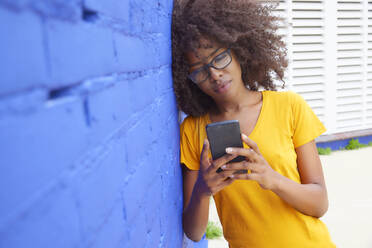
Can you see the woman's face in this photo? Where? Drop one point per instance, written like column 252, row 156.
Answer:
column 218, row 83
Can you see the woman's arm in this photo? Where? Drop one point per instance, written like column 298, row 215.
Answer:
column 195, row 206
column 309, row 197
column 198, row 186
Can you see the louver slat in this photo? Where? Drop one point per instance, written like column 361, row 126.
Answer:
column 349, row 64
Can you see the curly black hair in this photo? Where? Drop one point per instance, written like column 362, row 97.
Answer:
column 248, row 27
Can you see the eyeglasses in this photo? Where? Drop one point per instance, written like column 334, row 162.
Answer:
column 221, row 61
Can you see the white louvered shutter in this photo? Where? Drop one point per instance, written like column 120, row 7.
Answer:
column 306, row 49
column 368, row 90
column 330, row 59
column 350, row 64
column 303, row 31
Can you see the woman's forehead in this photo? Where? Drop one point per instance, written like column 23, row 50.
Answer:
column 205, row 53
column 198, row 46
column 202, row 55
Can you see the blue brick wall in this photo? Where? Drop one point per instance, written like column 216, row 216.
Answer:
column 89, row 135
column 342, row 143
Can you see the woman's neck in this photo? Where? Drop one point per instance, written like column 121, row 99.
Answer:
column 242, row 99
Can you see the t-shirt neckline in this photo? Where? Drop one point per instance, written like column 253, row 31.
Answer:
column 260, row 116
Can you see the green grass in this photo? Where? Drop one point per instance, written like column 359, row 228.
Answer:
column 213, row 231
column 324, row 151
column 354, row 144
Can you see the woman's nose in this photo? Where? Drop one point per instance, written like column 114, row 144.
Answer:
column 215, row 74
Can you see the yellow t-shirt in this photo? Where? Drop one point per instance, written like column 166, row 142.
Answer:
column 252, row 217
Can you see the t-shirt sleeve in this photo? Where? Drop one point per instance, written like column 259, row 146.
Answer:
column 188, row 144
column 306, row 125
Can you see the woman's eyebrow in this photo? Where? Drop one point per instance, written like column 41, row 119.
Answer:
column 198, row 63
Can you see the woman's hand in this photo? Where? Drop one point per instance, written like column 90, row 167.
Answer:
column 261, row 171
column 309, row 197
column 198, row 187
column 209, row 182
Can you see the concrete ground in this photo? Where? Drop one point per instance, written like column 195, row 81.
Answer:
column 348, row 177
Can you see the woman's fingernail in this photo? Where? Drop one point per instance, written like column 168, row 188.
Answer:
column 245, row 136
column 223, row 166
column 229, row 150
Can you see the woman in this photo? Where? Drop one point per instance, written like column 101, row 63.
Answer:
column 223, row 53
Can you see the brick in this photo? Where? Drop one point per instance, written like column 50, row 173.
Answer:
column 154, row 234
column 163, row 81
column 112, row 107
column 113, row 230
column 151, row 17
column 22, row 103
column 112, row 8
column 133, row 53
column 167, row 114
column 135, row 191
column 176, row 217
column 53, row 220
column 98, row 189
column 161, row 16
column 153, row 199
column 14, row 5
column 144, row 15
column 144, row 136
column 22, row 51
column 142, row 93
column 163, row 50
column 109, row 108
column 175, row 236
column 36, row 148
column 79, row 51
column 138, row 15
column 137, row 144
column 161, row 119
column 137, row 238
column 61, row 9
column 140, row 54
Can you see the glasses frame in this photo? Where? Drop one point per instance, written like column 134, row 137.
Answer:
column 206, row 67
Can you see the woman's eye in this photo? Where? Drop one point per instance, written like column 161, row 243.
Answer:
column 195, row 71
column 220, row 57
column 199, row 71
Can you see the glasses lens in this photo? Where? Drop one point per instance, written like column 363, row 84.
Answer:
column 219, row 62
column 199, row 76
column 222, row 60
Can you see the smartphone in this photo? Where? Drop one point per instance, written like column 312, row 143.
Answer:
column 222, row 135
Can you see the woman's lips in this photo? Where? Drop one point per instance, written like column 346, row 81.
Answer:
column 223, row 87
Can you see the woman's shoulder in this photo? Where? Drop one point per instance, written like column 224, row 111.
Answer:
column 283, row 96
column 192, row 122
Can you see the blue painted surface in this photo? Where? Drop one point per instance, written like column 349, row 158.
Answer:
column 89, row 133
column 21, row 47
column 340, row 144
column 111, row 8
column 191, row 244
